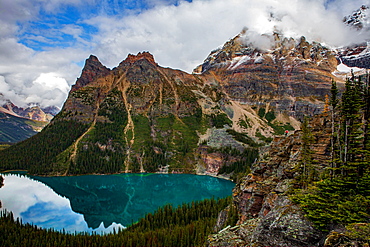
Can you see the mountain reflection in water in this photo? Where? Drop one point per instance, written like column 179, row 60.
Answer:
column 102, row 202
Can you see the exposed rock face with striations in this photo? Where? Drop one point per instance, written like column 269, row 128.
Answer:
column 282, row 77
column 141, row 117
column 266, row 215
column 93, row 69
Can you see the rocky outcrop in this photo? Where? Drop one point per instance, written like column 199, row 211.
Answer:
column 283, row 76
column 212, row 160
column 357, row 55
column 357, row 234
column 358, row 19
column 141, row 117
column 92, row 70
column 32, row 112
column 141, row 55
column 267, row 217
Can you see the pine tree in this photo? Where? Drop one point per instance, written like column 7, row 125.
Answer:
column 343, row 198
column 354, row 162
column 307, row 169
column 335, row 145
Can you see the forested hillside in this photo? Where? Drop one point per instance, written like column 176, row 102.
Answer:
column 313, row 183
column 141, row 117
column 339, row 194
column 14, row 129
column 187, row 225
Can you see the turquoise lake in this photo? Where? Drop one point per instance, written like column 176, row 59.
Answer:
column 100, row 203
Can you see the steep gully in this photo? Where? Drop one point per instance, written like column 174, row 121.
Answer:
column 123, row 86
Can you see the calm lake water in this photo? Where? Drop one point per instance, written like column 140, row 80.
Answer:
column 102, row 202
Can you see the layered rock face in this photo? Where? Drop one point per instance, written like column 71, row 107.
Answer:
column 266, row 215
column 284, row 76
column 153, row 110
column 141, row 117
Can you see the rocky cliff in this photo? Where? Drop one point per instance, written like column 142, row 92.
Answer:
column 18, row 123
column 267, row 217
column 357, row 55
column 141, row 117
column 290, row 77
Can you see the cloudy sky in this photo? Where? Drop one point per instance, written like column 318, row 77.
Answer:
column 43, row 43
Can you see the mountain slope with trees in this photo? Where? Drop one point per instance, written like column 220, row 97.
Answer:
column 140, row 117
column 311, row 187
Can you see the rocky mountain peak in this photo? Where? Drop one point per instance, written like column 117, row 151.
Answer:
column 359, row 18
column 34, row 112
column 249, row 48
column 357, row 55
column 140, row 56
column 92, row 70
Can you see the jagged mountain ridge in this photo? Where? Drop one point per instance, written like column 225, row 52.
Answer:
column 357, row 55
column 18, row 124
column 141, row 117
column 292, row 71
column 32, row 112
column 358, row 19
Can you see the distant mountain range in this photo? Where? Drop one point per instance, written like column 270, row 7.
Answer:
column 18, row 124
column 248, row 64
column 140, row 117
column 357, row 55
column 240, row 107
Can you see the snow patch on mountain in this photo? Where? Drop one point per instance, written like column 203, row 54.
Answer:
column 346, row 69
column 237, row 61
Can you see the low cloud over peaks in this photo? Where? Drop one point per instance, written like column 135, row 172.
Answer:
column 180, row 34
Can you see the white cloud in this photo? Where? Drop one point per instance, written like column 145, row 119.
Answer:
column 182, row 36
column 20, row 66
column 38, row 77
column 178, row 36
column 51, row 81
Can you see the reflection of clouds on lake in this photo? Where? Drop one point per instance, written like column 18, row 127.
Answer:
column 35, row 202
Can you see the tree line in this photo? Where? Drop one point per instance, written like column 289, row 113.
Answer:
column 37, row 153
column 341, row 193
column 185, row 225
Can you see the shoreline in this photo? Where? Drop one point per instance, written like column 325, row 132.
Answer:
column 99, row 174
